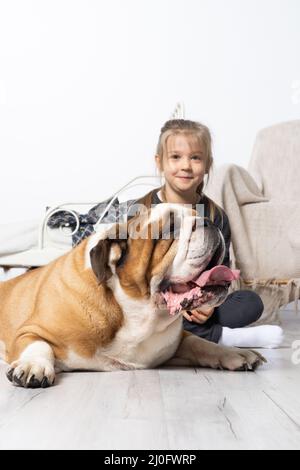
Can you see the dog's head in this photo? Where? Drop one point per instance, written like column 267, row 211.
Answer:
column 168, row 254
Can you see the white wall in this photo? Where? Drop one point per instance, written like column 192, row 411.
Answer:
column 86, row 85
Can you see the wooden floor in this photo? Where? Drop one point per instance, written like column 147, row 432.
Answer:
column 166, row 408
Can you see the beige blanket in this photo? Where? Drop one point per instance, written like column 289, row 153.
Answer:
column 265, row 237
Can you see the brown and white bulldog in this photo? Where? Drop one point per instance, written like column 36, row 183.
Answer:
column 115, row 301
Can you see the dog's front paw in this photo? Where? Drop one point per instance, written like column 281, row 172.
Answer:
column 236, row 359
column 31, row 374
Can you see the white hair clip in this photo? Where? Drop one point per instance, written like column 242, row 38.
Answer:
column 179, row 111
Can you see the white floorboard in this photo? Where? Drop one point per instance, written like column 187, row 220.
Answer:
column 166, row 408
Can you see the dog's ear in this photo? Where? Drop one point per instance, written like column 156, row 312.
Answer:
column 106, row 253
column 99, row 256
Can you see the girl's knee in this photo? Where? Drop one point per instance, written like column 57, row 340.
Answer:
column 254, row 303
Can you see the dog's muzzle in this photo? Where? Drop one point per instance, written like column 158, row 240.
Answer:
column 209, row 282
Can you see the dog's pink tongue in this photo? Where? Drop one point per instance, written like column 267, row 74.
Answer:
column 217, row 275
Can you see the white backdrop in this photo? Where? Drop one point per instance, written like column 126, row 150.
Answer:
column 85, row 86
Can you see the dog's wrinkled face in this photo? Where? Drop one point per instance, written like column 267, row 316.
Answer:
column 168, row 254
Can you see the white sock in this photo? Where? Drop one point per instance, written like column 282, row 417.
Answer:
column 264, row 336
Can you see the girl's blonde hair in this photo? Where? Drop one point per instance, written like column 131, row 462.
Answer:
column 195, row 130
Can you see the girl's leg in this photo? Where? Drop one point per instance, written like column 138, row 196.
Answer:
column 225, row 326
column 241, row 308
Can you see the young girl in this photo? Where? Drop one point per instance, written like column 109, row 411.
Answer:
column 184, row 157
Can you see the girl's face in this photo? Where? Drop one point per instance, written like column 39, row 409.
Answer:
column 183, row 163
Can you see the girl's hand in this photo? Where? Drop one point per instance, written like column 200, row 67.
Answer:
column 199, row 316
